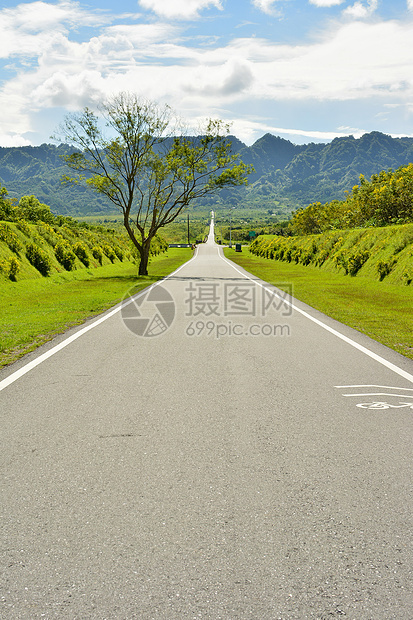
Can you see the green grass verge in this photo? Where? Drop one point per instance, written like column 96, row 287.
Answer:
column 382, row 311
column 33, row 311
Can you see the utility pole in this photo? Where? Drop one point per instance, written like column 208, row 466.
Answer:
column 188, row 228
column 230, row 226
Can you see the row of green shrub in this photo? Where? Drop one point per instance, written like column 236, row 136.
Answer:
column 47, row 241
column 375, row 252
column 49, row 248
column 67, row 246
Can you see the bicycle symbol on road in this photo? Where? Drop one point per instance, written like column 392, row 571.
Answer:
column 380, row 390
column 378, row 406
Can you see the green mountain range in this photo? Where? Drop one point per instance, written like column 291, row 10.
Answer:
column 286, row 175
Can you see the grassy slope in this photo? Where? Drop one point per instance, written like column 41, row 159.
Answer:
column 382, row 310
column 33, row 310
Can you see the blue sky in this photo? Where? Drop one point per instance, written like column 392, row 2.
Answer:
column 306, row 70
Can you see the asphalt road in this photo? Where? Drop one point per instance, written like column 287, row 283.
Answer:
column 251, row 461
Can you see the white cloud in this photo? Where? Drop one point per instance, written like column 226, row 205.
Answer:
column 15, row 118
column 69, row 90
column 326, row 3
column 266, row 6
column 227, row 80
column 28, row 28
column 179, row 9
column 9, row 140
column 410, row 5
column 249, row 130
column 359, row 10
column 39, row 15
column 355, row 61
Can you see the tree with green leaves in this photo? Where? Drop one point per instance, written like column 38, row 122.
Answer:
column 32, row 210
column 6, row 206
column 150, row 171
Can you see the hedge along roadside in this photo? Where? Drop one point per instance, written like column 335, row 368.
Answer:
column 376, row 253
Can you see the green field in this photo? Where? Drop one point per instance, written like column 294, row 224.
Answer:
column 32, row 311
column 382, row 310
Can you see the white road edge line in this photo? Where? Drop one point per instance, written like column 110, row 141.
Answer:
column 353, row 343
column 25, row 369
column 384, row 387
column 381, row 394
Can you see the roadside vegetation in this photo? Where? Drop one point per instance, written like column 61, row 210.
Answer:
column 361, row 277
column 34, row 243
column 376, row 253
column 387, row 198
column 56, row 272
column 351, row 259
column 384, row 200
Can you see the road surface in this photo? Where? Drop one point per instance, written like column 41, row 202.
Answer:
column 252, row 460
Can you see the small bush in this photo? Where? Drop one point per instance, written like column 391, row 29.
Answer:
column 158, row 245
column 14, row 268
column 10, row 238
column 81, row 252
column 14, row 244
column 352, row 263
column 23, row 226
column 65, row 255
column 108, row 250
column 296, row 255
column 66, row 233
column 38, row 258
column 407, row 277
column 384, row 268
column 306, row 257
column 341, row 259
column 97, row 253
column 10, row 267
column 356, row 262
column 322, row 257
column 48, row 234
column 119, row 253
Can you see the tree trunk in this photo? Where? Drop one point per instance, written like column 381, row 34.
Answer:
column 143, row 265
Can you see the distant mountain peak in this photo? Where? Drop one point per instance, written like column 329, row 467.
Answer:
column 270, row 139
